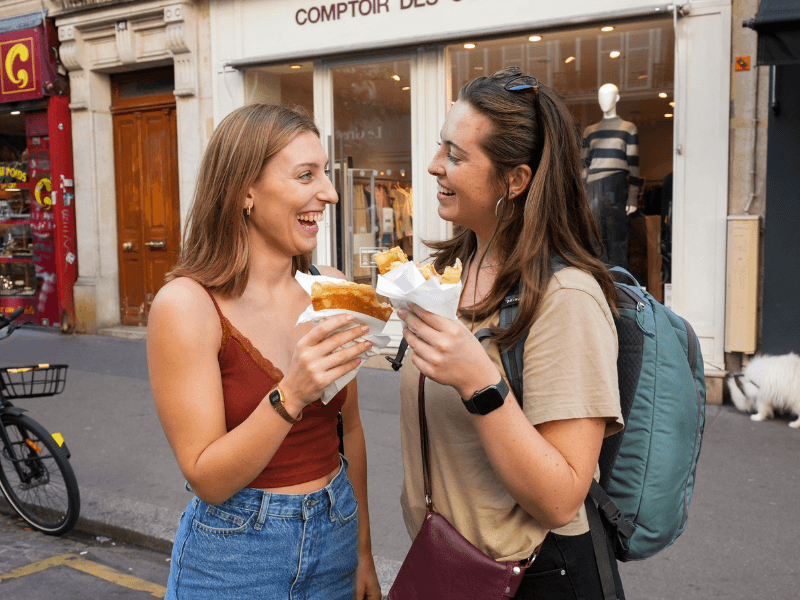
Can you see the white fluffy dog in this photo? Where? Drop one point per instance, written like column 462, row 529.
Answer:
column 768, row 383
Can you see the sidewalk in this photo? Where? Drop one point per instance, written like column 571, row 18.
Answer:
column 741, row 540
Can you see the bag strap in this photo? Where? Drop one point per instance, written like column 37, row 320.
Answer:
column 600, row 545
column 313, row 270
column 423, row 440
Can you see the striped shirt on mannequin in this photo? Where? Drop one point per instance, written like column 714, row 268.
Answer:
column 609, row 147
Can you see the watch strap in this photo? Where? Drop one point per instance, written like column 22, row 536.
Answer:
column 276, row 399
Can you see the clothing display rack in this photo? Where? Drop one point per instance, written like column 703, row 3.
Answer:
column 381, row 216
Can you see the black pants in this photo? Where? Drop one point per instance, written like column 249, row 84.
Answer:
column 608, row 198
column 566, row 569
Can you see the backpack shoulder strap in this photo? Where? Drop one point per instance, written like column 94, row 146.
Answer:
column 511, row 358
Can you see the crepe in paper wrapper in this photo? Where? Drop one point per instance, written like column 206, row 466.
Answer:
column 405, row 283
column 317, row 316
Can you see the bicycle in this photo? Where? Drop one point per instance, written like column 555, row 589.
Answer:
column 35, row 475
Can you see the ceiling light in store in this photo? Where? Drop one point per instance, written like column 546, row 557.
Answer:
column 642, row 76
column 535, row 38
column 296, row 67
column 396, row 77
column 406, row 88
column 569, row 60
column 469, row 46
column 14, row 112
column 672, row 104
column 479, row 68
column 13, row 190
column 607, row 28
column 668, row 115
column 614, row 53
column 662, row 95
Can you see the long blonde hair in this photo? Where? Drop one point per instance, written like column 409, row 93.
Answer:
column 215, row 248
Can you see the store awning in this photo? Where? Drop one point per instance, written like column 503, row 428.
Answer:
column 778, row 26
column 18, row 22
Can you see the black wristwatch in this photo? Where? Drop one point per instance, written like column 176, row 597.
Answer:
column 488, row 399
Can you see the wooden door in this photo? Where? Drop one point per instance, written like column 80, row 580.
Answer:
column 148, row 212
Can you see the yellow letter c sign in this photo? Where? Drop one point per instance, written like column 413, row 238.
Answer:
column 18, row 51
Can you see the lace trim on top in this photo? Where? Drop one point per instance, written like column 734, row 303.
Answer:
column 229, row 331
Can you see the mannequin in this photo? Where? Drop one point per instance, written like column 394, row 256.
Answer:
column 611, row 173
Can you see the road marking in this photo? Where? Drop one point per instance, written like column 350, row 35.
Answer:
column 91, row 568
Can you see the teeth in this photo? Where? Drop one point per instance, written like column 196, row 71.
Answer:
column 311, row 216
column 444, row 190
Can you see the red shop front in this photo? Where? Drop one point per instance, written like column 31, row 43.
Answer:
column 38, row 264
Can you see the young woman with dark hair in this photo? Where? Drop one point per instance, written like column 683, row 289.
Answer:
column 516, row 477
column 237, row 385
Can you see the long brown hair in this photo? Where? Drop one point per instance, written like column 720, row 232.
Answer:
column 215, row 248
column 552, row 218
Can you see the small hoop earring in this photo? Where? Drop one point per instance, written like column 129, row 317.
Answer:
column 247, row 212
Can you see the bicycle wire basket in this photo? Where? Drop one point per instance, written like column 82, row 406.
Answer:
column 33, row 381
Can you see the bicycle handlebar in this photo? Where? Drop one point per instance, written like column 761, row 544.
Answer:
column 6, row 321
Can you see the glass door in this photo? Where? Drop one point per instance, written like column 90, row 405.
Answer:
column 370, row 150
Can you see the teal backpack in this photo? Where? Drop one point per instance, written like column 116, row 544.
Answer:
column 647, row 470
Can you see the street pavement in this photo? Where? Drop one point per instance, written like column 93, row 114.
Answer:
column 744, row 522
column 76, row 566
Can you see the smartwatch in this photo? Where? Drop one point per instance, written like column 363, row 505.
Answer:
column 276, row 399
column 488, row 399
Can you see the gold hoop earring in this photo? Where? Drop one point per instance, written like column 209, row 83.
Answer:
column 247, row 212
column 497, row 206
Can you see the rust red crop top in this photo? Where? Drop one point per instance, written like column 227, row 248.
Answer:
column 311, row 448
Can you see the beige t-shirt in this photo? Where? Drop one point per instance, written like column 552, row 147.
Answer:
column 570, row 372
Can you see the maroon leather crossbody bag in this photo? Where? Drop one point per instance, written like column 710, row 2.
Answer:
column 442, row 563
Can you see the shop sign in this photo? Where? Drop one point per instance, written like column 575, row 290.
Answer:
column 12, row 174
column 272, row 29
column 25, row 64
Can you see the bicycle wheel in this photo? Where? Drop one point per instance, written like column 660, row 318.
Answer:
column 40, row 484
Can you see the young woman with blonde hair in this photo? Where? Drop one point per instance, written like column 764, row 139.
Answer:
column 237, row 385
column 509, row 475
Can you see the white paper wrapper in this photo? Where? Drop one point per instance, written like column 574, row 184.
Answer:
column 406, row 284
column 375, row 330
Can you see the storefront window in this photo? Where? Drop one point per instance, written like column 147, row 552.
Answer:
column 288, row 85
column 372, row 128
column 17, row 268
column 638, row 58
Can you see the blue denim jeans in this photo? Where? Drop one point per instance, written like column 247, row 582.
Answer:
column 263, row 545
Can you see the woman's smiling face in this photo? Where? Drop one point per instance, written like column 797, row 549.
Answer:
column 289, row 198
column 467, row 191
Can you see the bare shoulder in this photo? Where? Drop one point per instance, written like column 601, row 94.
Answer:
column 330, row 272
column 183, row 309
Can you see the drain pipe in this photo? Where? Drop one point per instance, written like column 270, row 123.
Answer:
column 753, row 170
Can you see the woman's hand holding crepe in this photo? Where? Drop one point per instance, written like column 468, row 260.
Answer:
column 447, row 352
column 319, row 360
